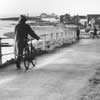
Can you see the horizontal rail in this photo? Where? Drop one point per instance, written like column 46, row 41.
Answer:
column 5, row 38
column 6, row 54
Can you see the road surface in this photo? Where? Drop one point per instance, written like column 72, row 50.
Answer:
column 57, row 76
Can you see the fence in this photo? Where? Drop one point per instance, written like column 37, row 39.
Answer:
column 47, row 42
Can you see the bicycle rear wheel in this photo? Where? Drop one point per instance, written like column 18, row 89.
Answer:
column 33, row 54
column 33, row 62
column 26, row 58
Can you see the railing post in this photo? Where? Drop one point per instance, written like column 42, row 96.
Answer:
column 0, row 53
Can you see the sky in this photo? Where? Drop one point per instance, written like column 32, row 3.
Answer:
column 36, row 7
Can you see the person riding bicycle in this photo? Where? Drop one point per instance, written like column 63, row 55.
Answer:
column 95, row 32
column 22, row 30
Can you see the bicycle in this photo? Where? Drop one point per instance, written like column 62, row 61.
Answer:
column 93, row 35
column 29, row 54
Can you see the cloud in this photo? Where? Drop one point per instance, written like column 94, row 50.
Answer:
column 49, row 6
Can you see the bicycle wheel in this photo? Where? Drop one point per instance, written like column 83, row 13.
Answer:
column 26, row 58
column 33, row 54
column 34, row 62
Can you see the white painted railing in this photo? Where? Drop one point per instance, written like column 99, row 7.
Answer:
column 47, row 42
column 53, row 40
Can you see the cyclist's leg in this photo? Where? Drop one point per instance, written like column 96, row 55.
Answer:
column 18, row 58
column 19, row 52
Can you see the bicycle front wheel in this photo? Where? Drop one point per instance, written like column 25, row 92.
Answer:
column 26, row 60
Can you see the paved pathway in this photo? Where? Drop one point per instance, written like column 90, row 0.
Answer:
column 59, row 76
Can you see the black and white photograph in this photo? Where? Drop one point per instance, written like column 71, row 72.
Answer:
column 49, row 50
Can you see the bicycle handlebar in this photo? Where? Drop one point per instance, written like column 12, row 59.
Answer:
column 30, row 39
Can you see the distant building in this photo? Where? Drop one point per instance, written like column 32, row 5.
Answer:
column 75, row 19
column 79, row 20
column 54, row 15
column 49, row 18
column 43, row 15
column 83, row 20
column 66, row 19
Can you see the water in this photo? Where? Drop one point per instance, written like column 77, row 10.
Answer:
column 8, row 26
column 5, row 27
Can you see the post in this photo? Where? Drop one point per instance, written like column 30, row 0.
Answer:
column 0, row 53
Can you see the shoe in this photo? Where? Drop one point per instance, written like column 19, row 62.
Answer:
column 27, row 68
column 18, row 67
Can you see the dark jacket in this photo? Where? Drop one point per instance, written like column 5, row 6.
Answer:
column 21, row 32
